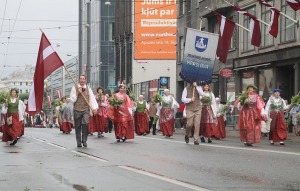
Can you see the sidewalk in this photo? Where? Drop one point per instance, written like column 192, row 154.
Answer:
column 235, row 133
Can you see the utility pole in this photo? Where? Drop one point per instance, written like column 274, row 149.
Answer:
column 88, row 60
column 125, row 57
column 80, row 37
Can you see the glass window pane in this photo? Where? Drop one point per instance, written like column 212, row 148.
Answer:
column 265, row 83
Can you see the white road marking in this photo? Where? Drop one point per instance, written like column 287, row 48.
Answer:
column 227, row 147
column 89, row 156
column 160, row 177
column 44, row 141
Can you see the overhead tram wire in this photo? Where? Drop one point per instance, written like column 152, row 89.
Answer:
column 3, row 17
column 7, row 46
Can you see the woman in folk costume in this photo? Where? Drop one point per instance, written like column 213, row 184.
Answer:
column 58, row 112
column 14, row 111
column 100, row 120
column 221, row 117
column 66, row 115
column 141, row 117
column 208, row 114
column 166, row 114
column 120, row 115
column 275, row 109
column 251, row 107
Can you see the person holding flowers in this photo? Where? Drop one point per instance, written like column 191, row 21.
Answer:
column 120, row 115
column 275, row 109
column 141, row 117
column 208, row 122
column 13, row 109
column 221, row 117
column 166, row 114
column 251, row 107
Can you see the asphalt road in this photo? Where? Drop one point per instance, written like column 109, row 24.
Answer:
column 45, row 159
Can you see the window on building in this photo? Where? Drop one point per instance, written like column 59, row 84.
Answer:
column 232, row 45
column 287, row 27
column 26, row 83
column 265, row 83
column 26, row 90
column 14, row 83
column 181, row 10
column 20, row 91
column 266, row 38
column 111, row 30
column 247, row 78
column 246, row 35
column 181, row 48
column 20, row 83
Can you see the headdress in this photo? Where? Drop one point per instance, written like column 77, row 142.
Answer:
column 166, row 90
column 276, row 90
column 251, row 86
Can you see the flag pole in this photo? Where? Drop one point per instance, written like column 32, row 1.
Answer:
column 257, row 19
column 200, row 30
column 235, row 23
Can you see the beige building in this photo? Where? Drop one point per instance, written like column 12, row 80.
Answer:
column 19, row 79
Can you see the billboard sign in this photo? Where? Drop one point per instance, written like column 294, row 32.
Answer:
column 155, row 29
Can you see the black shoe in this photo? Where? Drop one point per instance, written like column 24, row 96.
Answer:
column 281, row 143
column 79, row 145
column 187, row 139
column 248, row 144
column 84, row 144
column 14, row 142
column 118, row 140
column 124, row 138
column 153, row 133
column 202, row 140
column 196, row 143
column 209, row 140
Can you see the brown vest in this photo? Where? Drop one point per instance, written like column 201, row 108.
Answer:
column 80, row 104
column 196, row 104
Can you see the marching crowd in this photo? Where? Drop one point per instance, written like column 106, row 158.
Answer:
column 204, row 117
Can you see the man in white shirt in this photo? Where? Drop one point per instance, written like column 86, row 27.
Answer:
column 191, row 96
column 83, row 99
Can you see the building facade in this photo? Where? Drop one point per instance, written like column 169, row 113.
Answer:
column 19, row 79
column 275, row 64
column 60, row 80
column 96, row 42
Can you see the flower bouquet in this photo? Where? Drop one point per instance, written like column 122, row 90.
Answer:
column 206, row 100
column 226, row 106
column 115, row 102
column 56, row 103
column 157, row 98
column 4, row 96
column 244, row 98
column 295, row 100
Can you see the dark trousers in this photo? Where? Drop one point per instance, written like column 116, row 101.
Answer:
column 81, row 120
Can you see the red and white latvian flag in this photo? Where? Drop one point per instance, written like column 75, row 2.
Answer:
column 254, row 26
column 47, row 62
column 49, row 101
column 273, row 25
column 294, row 4
column 226, row 28
column 58, row 94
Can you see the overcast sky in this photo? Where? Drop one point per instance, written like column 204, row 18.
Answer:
column 21, row 20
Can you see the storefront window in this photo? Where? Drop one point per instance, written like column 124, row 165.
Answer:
column 247, row 78
column 265, row 83
column 230, row 89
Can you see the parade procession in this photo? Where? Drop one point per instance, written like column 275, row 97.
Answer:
column 150, row 95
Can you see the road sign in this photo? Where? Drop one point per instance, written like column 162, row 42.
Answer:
column 111, row 86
